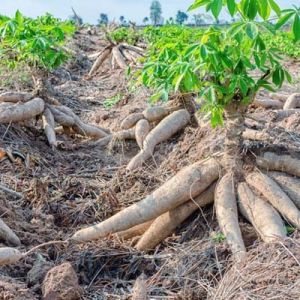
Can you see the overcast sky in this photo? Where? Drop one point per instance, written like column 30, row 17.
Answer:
column 89, row 10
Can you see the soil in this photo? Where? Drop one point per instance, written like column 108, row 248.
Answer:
column 77, row 184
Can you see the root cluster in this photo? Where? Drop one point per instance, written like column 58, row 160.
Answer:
column 22, row 107
column 119, row 56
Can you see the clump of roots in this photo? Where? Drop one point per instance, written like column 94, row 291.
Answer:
column 266, row 199
column 22, row 107
column 120, row 55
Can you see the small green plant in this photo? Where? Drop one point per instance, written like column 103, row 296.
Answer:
column 125, row 35
column 218, row 237
column 290, row 230
column 112, row 101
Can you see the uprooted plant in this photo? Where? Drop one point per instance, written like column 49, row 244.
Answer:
column 121, row 51
column 39, row 44
column 220, row 70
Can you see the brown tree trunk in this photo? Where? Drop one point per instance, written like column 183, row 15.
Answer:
column 234, row 114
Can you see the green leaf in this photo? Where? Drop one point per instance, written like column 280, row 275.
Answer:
column 243, row 86
column 257, row 59
column 216, row 7
column 278, row 77
column 275, row 7
column 198, row 3
column 203, row 52
column 296, row 27
column 288, row 76
column 264, row 9
column 231, row 5
column 216, row 116
column 252, row 9
column 265, row 84
column 251, row 30
column 283, row 20
column 19, row 17
column 178, row 81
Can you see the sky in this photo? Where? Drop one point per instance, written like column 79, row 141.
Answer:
column 89, row 10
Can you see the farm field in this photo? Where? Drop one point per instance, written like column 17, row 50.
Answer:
column 151, row 163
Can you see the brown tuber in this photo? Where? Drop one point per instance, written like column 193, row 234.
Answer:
column 187, row 183
column 21, row 112
column 163, row 131
column 165, row 224
column 264, row 218
column 227, row 215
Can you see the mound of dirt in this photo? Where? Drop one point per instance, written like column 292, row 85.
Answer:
column 11, row 289
column 270, row 271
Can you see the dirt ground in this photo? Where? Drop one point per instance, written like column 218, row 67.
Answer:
column 66, row 189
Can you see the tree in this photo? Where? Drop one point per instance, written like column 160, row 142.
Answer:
column 103, row 20
column 155, row 12
column 181, row 17
column 122, row 20
column 201, row 19
column 76, row 18
column 170, row 20
column 145, row 20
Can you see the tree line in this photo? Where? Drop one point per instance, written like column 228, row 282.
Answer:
column 156, row 18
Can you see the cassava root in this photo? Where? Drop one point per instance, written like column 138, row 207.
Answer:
column 264, row 218
column 227, row 215
column 162, row 132
column 19, row 112
column 165, row 224
column 276, row 196
column 284, row 163
column 187, row 183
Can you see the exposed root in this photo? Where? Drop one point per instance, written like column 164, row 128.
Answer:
column 9, row 256
column 165, row 224
column 140, row 51
column 117, row 136
column 284, row 163
column 15, row 97
column 157, row 113
column 255, row 135
column 274, row 104
column 163, row 131
column 264, row 218
column 282, row 114
column 8, row 235
column 279, row 96
column 120, row 59
column 131, row 120
column 293, row 101
column 189, row 182
column 49, row 127
column 139, row 291
column 275, row 195
column 100, row 60
column 21, row 112
column 290, row 185
column 141, row 131
column 134, row 231
column 80, row 127
column 227, row 215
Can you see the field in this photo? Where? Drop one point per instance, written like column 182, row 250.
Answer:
column 182, row 146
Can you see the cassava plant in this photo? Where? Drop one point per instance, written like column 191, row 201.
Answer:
column 39, row 45
column 225, row 69
column 121, row 50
